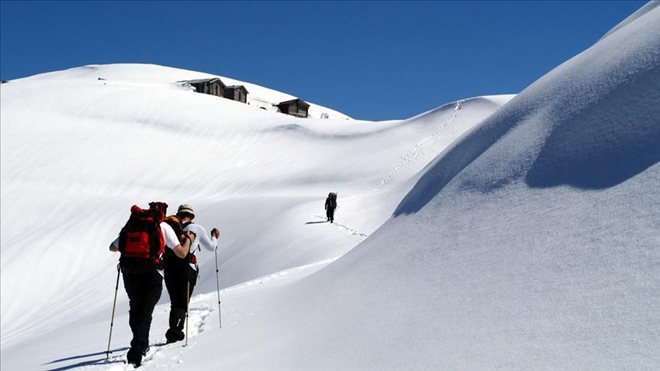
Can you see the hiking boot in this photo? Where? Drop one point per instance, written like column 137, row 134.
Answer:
column 173, row 335
column 134, row 357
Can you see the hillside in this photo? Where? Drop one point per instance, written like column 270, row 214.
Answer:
column 77, row 152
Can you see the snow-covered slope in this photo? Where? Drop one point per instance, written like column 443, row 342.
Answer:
column 77, row 152
column 468, row 237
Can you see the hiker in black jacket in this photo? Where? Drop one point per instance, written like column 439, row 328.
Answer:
column 330, row 206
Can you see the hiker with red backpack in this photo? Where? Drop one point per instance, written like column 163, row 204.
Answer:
column 181, row 272
column 141, row 243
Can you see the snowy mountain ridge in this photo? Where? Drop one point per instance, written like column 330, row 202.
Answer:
column 128, row 75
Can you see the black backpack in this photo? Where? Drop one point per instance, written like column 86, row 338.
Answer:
column 332, row 200
column 141, row 242
column 170, row 260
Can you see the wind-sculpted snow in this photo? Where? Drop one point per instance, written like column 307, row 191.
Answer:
column 651, row 5
column 591, row 123
column 615, row 134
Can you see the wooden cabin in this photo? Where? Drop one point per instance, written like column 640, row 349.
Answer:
column 212, row 86
column 294, row 107
column 236, row 92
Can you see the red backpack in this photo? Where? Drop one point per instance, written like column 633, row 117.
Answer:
column 141, row 242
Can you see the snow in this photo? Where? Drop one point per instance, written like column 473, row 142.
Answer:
column 497, row 232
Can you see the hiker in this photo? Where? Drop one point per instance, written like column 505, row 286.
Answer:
column 141, row 242
column 330, row 206
column 181, row 273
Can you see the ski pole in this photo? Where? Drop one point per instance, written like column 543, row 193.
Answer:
column 217, row 282
column 112, row 319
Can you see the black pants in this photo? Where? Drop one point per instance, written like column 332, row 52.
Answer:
column 176, row 281
column 143, row 291
column 330, row 213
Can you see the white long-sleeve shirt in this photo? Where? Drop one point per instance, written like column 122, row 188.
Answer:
column 203, row 239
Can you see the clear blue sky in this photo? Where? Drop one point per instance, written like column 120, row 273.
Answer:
column 370, row 60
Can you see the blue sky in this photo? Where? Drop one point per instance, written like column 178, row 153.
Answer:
column 370, row 60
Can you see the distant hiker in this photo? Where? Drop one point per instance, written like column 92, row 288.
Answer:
column 181, row 272
column 330, row 206
column 141, row 243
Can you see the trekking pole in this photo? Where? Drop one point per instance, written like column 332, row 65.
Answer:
column 217, row 282
column 187, row 300
column 112, row 319
column 187, row 309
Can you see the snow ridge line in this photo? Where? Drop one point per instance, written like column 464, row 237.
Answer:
column 417, row 151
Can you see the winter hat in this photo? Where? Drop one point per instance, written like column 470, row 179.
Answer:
column 187, row 209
